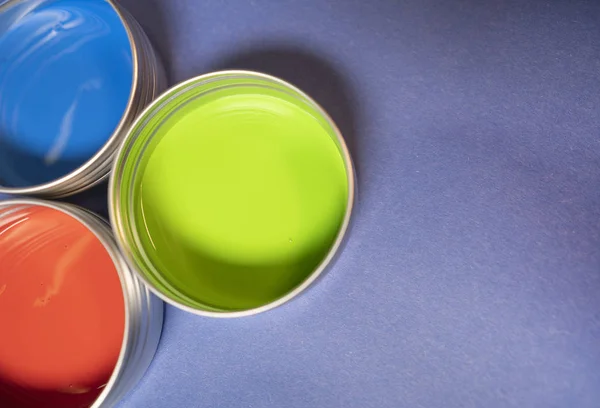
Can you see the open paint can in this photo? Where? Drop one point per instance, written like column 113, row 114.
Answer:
column 78, row 328
column 231, row 194
column 74, row 74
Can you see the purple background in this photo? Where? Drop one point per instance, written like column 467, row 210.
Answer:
column 472, row 274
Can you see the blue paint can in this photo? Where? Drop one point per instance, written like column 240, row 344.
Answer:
column 73, row 75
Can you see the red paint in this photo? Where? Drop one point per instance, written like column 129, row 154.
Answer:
column 62, row 314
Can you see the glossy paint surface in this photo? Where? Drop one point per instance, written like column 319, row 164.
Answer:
column 62, row 312
column 65, row 79
column 241, row 198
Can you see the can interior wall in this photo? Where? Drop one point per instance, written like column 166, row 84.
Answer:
column 122, row 186
column 149, row 81
column 143, row 310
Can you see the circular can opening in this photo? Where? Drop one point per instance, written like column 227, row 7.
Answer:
column 66, row 80
column 62, row 310
column 231, row 193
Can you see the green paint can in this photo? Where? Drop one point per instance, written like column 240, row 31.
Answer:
column 231, row 193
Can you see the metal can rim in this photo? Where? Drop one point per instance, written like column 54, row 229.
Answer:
column 112, row 143
column 116, row 215
column 94, row 224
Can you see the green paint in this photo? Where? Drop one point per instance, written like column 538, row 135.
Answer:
column 242, row 193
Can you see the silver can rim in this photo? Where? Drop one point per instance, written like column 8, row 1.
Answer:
column 116, row 217
column 104, row 236
column 111, row 143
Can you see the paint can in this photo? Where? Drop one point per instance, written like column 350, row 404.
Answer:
column 74, row 74
column 231, row 193
column 65, row 342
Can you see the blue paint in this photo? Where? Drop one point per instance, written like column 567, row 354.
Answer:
column 66, row 74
